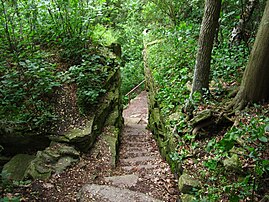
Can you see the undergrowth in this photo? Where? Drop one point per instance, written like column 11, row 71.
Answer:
column 172, row 61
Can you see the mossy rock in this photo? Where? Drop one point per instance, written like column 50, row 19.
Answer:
column 37, row 170
column 200, row 117
column 186, row 184
column 63, row 163
column 114, row 118
column 233, row 163
column 111, row 137
column 187, row 198
column 54, row 159
column 17, row 166
column 77, row 134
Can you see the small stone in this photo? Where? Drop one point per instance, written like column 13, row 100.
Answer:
column 48, row 185
column 186, row 183
column 187, row 198
column 200, row 117
column 232, row 163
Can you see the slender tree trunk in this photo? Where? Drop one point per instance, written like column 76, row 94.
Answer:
column 255, row 83
column 205, row 45
column 6, row 27
column 238, row 33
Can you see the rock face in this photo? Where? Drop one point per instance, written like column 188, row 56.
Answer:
column 166, row 140
column 108, row 112
column 103, row 193
column 62, row 150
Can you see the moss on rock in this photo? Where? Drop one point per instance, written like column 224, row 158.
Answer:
column 17, row 166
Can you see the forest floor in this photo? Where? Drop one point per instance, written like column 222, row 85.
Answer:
column 140, row 174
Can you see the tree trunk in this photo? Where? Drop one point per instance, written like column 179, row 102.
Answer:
column 255, row 82
column 238, row 33
column 205, row 45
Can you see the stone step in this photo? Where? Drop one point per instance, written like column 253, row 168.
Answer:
column 136, row 153
column 139, row 167
column 105, row 193
column 140, row 127
column 123, row 180
column 137, row 149
column 138, row 144
column 138, row 138
column 137, row 160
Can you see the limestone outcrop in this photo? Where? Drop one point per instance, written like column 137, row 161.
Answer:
column 59, row 149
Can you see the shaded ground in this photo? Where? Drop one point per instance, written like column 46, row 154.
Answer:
column 140, row 168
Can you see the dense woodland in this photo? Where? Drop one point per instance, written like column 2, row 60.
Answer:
column 205, row 55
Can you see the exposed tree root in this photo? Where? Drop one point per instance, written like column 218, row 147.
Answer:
column 238, row 103
column 209, row 118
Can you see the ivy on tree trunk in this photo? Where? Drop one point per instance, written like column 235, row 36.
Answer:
column 255, row 81
column 205, row 45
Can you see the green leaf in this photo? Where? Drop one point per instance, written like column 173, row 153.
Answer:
column 263, row 139
column 266, row 129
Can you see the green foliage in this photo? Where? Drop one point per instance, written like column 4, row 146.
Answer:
column 40, row 41
column 8, row 185
column 177, row 11
column 131, row 27
column 8, row 199
column 246, row 137
column 90, row 77
column 25, row 88
column 172, row 61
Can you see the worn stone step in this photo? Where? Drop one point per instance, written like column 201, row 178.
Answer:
column 137, row 149
column 136, row 137
column 136, row 160
column 139, row 167
column 136, row 141
column 140, row 127
column 136, row 153
column 138, row 144
column 123, row 180
column 105, row 193
column 133, row 142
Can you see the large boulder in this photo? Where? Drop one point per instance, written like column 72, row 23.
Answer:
column 83, row 138
column 16, row 167
column 54, row 159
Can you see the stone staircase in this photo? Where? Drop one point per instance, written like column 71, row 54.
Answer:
column 141, row 175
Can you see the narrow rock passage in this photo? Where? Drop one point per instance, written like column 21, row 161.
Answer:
column 140, row 167
column 141, row 175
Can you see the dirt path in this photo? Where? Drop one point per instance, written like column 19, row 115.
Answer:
column 141, row 174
